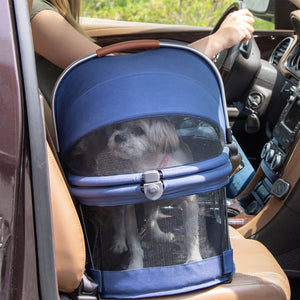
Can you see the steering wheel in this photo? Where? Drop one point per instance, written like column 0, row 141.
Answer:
column 239, row 64
column 226, row 58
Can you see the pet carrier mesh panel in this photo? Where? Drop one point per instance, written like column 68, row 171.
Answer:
column 143, row 139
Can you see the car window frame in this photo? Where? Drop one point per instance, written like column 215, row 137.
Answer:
column 38, row 158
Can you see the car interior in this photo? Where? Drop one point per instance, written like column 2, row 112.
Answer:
column 270, row 197
column 262, row 207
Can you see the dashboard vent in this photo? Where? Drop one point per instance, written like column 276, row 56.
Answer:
column 280, row 50
column 295, row 62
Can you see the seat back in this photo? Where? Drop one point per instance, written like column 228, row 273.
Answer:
column 69, row 244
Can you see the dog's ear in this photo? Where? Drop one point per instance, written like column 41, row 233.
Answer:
column 164, row 135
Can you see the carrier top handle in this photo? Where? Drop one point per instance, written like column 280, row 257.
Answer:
column 129, row 45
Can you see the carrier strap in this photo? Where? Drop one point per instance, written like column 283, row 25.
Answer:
column 166, row 281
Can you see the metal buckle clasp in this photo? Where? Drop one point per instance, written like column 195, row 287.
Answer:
column 152, row 187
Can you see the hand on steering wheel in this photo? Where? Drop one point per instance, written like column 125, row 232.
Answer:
column 235, row 30
column 237, row 27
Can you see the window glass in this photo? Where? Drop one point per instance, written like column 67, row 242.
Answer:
column 203, row 13
column 262, row 24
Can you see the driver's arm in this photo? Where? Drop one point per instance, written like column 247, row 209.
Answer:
column 57, row 40
column 237, row 27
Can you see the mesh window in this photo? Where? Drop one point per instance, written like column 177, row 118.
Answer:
column 159, row 233
column 145, row 144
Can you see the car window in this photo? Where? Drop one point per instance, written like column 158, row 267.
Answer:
column 203, row 13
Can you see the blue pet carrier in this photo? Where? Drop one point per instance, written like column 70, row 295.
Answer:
column 143, row 140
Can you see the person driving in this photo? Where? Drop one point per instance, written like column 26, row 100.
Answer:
column 59, row 40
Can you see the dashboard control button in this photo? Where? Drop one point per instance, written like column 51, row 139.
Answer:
column 265, row 150
column 276, row 162
column 270, row 155
column 280, row 188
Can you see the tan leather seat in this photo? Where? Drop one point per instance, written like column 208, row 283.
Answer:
column 69, row 245
column 258, row 275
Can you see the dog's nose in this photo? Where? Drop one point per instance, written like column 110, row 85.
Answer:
column 119, row 138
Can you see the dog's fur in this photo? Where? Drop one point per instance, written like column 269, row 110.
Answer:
column 144, row 145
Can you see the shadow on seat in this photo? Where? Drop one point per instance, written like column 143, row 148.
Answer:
column 258, row 275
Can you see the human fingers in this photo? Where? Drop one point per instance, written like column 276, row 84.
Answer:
column 246, row 28
column 244, row 12
column 242, row 21
column 246, row 33
column 232, row 33
column 239, row 16
column 248, row 19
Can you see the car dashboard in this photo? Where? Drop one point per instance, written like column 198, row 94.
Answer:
column 278, row 77
column 286, row 55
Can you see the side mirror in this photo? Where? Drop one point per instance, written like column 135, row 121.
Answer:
column 264, row 9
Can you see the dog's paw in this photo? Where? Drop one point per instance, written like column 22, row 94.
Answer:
column 119, row 247
column 170, row 237
column 136, row 263
column 193, row 256
column 164, row 236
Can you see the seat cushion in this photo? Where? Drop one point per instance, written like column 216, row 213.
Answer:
column 258, row 275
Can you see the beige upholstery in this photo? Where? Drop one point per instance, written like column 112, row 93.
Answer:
column 104, row 27
column 68, row 236
column 258, row 275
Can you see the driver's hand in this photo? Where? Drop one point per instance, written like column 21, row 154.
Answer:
column 237, row 27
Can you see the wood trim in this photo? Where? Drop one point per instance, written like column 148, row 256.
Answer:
column 267, row 40
column 281, row 65
column 290, row 174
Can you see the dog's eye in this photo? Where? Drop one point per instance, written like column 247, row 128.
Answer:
column 138, row 131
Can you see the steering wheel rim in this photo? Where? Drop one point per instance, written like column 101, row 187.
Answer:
column 226, row 58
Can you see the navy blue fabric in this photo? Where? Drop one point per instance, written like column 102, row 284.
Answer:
column 162, row 281
column 178, row 171
column 97, row 92
column 169, row 81
column 176, row 184
column 238, row 181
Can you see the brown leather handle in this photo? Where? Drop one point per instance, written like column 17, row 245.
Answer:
column 129, row 45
